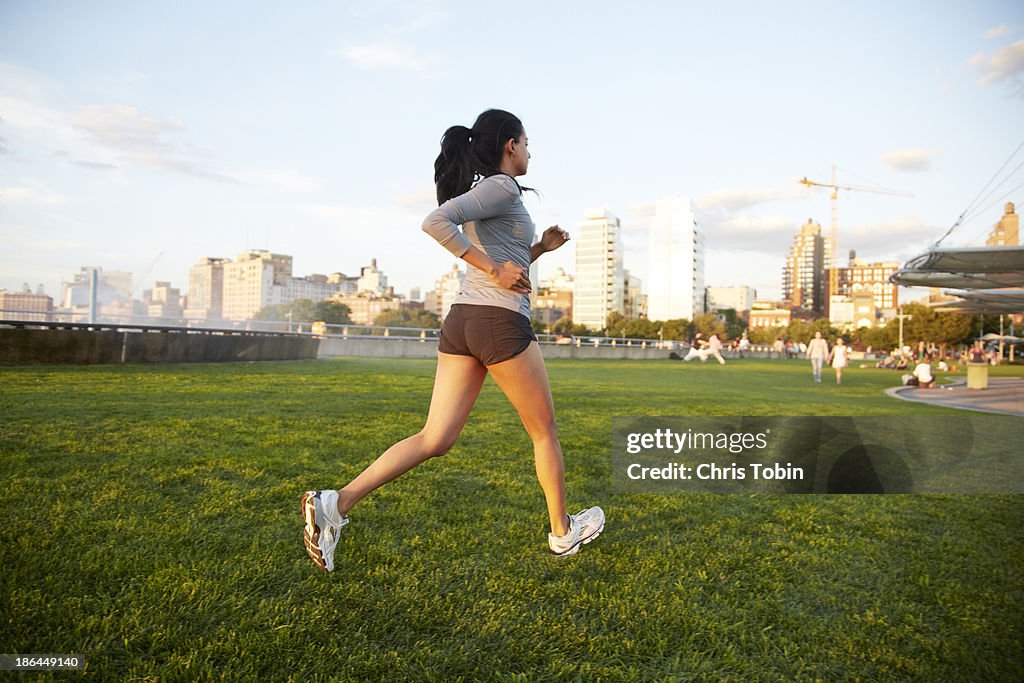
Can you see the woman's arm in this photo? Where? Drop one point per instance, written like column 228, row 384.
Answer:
column 486, row 199
column 552, row 239
column 507, row 275
column 482, row 201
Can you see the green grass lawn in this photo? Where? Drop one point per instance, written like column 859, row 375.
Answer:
column 151, row 525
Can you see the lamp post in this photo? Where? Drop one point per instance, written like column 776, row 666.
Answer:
column 901, row 316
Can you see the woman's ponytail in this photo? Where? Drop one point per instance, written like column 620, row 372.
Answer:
column 470, row 154
column 453, row 168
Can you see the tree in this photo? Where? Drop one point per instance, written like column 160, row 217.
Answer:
column 391, row 317
column 614, row 324
column 421, row 317
column 562, row 326
column 679, row 329
column 417, row 317
column 641, row 328
column 932, row 327
column 878, row 338
column 735, row 326
column 565, row 325
column 332, row 312
column 803, row 330
column 301, row 311
column 708, row 324
column 764, row 335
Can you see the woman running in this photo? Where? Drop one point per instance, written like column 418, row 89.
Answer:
column 486, row 331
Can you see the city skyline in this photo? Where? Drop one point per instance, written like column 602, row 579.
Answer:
column 312, row 130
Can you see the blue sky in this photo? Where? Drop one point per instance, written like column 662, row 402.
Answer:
column 143, row 136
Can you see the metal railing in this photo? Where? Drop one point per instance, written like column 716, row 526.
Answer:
column 79, row 320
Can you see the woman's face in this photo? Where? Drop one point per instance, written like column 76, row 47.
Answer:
column 520, row 158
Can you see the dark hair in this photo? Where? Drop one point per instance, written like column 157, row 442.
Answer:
column 468, row 154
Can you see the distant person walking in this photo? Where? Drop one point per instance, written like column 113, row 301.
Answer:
column 744, row 347
column 715, row 348
column 839, row 358
column 486, row 332
column 817, row 351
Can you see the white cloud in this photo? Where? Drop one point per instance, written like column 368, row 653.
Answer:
column 737, row 200
column 366, row 220
column 36, row 194
column 288, row 179
column 126, row 129
column 755, row 226
column 180, row 166
column 896, row 239
column 384, row 56
column 1003, row 65
column 998, row 31
column 914, row 159
column 421, row 200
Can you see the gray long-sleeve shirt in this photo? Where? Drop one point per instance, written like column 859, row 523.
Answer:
column 495, row 221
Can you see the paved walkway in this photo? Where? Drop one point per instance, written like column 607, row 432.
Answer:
column 1004, row 395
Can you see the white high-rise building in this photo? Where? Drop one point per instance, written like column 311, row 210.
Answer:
column 255, row 280
column 600, row 280
column 371, row 280
column 206, row 289
column 739, row 298
column 675, row 274
column 447, row 288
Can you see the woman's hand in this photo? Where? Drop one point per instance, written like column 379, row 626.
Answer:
column 553, row 238
column 510, row 276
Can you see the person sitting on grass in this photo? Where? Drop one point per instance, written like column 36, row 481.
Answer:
column 923, row 373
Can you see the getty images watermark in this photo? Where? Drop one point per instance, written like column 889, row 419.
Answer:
column 948, row 454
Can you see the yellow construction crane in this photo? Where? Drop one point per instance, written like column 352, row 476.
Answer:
column 833, row 275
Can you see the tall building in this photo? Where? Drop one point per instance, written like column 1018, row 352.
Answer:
column 769, row 314
column 111, row 287
column 372, row 280
column 554, row 298
column 600, row 280
column 740, row 299
column 364, row 307
column 675, row 275
column 803, row 278
column 256, row 280
column 447, row 288
column 206, row 289
column 163, row 301
column 559, row 281
column 864, row 296
column 634, row 301
column 1005, row 233
column 318, row 287
column 25, row 305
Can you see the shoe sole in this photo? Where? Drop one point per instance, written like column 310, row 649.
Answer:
column 580, row 543
column 311, row 532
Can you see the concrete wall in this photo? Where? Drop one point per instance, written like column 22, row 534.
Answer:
column 415, row 348
column 88, row 347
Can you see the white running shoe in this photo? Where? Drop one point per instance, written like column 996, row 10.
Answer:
column 320, row 533
column 584, row 527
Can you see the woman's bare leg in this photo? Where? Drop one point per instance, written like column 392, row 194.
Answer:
column 525, row 382
column 457, row 383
